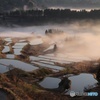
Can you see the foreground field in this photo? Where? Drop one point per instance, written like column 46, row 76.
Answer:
column 24, row 64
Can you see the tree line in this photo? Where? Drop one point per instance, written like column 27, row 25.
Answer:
column 48, row 15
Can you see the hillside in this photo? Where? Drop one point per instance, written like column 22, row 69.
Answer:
column 6, row 5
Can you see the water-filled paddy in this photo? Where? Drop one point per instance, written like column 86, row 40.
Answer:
column 3, row 69
column 78, row 82
column 18, row 64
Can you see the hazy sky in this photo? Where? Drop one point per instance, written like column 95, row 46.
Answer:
column 73, row 3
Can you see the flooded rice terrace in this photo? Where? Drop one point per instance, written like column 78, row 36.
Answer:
column 78, row 82
column 35, row 47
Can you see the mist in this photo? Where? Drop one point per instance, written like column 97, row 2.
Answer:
column 84, row 43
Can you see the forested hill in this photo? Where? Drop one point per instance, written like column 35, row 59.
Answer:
column 6, row 5
column 38, row 17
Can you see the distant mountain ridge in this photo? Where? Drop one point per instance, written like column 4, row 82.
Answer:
column 6, row 5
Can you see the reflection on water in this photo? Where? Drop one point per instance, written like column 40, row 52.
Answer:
column 50, row 82
column 49, row 66
column 18, row 64
column 19, row 45
column 8, row 39
column 78, row 82
column 10, row 56
column 6, row 49
column 17, row 51
column 3, row 69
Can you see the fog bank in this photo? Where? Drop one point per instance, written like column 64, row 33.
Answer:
column 85, row 42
